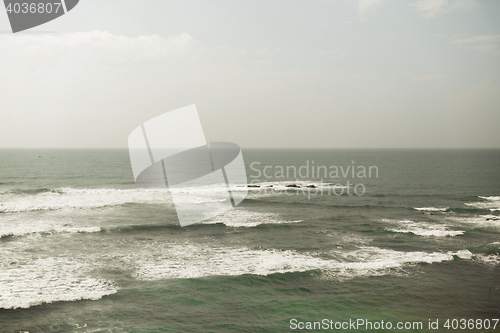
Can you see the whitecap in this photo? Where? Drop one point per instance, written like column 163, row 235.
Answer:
column 486, row 220
column 82, row 198
column 431, row 209
column 237, row 218
column 492, row 203
column 32, row 282
column 424, row 229
column 188, row 261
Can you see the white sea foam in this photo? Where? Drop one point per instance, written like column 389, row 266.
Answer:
column 282, row 185
column 204, row 201
column 302, row 189
column 484, row 220
column 62, row 198
column 491, row 259
column 11, row 226
column 370, row 260
column 423, row 228
column 299, row 182
column 431, row 209
column 189, row 261
column 492, row 203
column 44, row 280
column 492, row 198
column 28, row 281
column 81, row 198
column 244, row 218
column 19, row 230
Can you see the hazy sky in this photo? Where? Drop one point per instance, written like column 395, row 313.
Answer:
column 279, row 73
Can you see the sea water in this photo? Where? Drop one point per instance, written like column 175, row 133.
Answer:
column 82, row 249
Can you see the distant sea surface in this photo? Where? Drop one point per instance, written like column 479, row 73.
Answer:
column 82, row 249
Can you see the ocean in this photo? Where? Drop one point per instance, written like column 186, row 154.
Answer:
column 410, row 236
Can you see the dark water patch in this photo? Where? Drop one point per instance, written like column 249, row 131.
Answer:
column 485, row 229
column 486, row 249
column 140, row 227
column 478, row 211
column 6, row 237
column 34, row 191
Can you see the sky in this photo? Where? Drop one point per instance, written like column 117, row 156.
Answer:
column 271, row 74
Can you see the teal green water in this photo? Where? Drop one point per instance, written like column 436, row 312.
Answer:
column 84, row 250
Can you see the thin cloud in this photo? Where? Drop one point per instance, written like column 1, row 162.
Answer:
column 364, row 5
column 428, row 77
column 478, row 39
column 99, row 45
column 333, row 54
column 430, row 9
column 482, row 43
